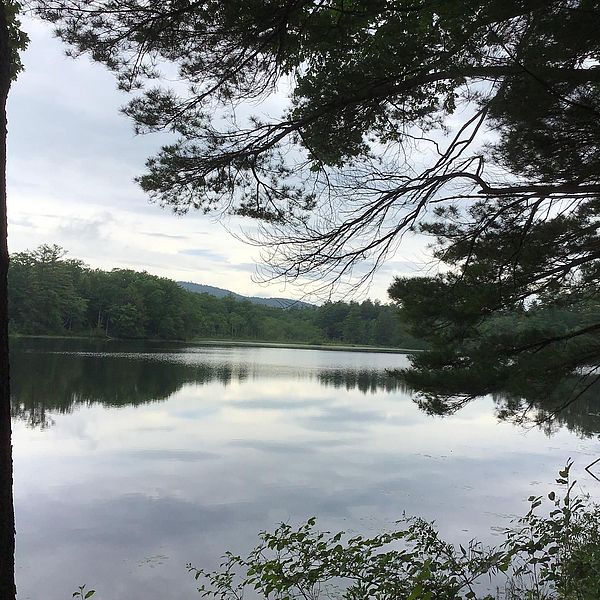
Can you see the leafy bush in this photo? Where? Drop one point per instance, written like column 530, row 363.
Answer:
column 556, row 555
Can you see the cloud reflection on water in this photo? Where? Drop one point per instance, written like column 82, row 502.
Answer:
column 176, row 456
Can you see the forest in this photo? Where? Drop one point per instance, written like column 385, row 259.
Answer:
column 50, row 294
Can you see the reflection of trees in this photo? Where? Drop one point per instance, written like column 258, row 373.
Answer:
column 364, row 380
column 572, row 402
column 570, row 405
column 44, row 383
column 47, row 380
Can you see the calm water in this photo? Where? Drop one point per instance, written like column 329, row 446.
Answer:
column 131, row 461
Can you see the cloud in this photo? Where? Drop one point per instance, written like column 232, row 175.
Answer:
column 164, row 235
column 404, row 266
column 20, row 222
column 204, row 253
column 340, row 418
column 249, row 267
column 85, row 229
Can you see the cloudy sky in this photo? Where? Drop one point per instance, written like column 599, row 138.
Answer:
column 72, row 160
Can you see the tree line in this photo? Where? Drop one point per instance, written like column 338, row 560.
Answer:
column 50, row 294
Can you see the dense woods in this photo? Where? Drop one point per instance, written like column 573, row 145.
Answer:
column 50, row 294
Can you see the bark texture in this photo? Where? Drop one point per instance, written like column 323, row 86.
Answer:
column 7, row 518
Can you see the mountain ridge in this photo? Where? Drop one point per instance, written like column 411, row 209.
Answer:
column 285, row 303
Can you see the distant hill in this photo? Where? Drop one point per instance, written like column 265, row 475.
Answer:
column 198, row 288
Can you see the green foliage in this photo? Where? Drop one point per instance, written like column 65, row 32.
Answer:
column 17, row 38
column 482, row 341
column 49, row 294
column 43, row 296
column 556, row 555
column 411, row 562
column 82, row 593
column 553, row 556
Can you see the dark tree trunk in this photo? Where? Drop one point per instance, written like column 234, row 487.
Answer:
column 7, row 516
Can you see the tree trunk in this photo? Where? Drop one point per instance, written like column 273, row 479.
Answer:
column 7, row 517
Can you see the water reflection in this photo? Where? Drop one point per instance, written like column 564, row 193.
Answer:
column 65, row 379
column 71, row 373
column 578, row 412
column 571, row 401
column 367, row 381
column 161, row 455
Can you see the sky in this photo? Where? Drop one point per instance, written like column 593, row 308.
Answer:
column 72, row 159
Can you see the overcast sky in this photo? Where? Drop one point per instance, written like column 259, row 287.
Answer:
column 72, row 160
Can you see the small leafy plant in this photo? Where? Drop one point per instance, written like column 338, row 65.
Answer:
column 82, row 593
column 557, row 555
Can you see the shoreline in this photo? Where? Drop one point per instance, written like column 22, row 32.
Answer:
column 303, row 346
column 234, row 343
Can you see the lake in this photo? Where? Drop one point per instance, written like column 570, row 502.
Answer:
column 133, row 459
